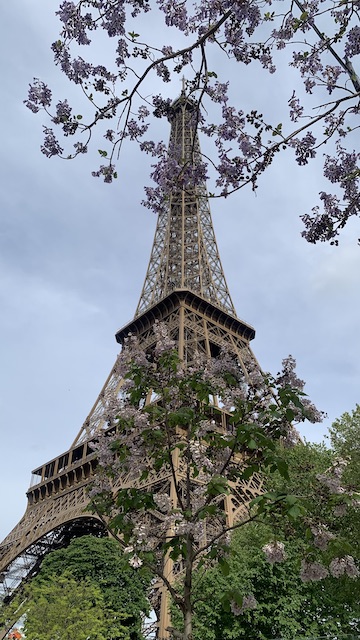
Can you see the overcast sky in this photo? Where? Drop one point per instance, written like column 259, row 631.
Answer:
column 74, row 252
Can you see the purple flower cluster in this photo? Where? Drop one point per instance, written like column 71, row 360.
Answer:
column 64, row 118
column 123, row 52
column 296, row 110
column 175, row 13
column 333, row 476
column 321, row 537
column 171, row 174
column 50, row 146
column 321, row 226
column 107, row 171
column 289, row 378
column 39, row 96
column 218, row 92
column 344, row 171
column 233, row 124
column 134, row 130
column 312, row 571
column 344, row 566
column 75, row 24
column 275, row 552
column 331, row 75
column 80, row 147
column 352, row 46
column 304, row 148
column 248, row 602
column 285, row 33
column 113, row 19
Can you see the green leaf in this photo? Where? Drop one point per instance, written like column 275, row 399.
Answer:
column 224, row 566
column 294, row 512
column 217, row 486
column 283, row 468
column 277, row 130
column 249, row 471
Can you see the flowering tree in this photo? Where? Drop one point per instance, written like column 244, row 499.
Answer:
column 182, row 441
column 287, row 607
column 344, row 438
column 317, row 38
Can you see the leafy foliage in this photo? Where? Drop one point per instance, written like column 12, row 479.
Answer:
column 63, row 608
column 345, row 438
column 287, row 607
column 102, row 562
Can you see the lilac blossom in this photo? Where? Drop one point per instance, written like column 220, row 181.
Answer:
column 296, row 110
column 63, row 117
column 304, row 148
column 248, row 603
column 344, row 566
column 331, row 75
column 288, row 378
column 312, row 571
column 80, row 147
column 134, row 130
column 175, row 13
column 50, row 146
column 108, row 171
column 352, row 46
column 274, row 552
column 75, row 24
column 39, row 96
column 135, row 562
column 163, row 502
column 122, row 52
column 321, row 537
column 332, row 478
column 114, row 20
column 163, row 341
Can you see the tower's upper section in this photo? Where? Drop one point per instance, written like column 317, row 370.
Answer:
column 184, row 254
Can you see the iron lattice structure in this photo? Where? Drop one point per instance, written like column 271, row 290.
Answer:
column 185, row 288
column 185, row 253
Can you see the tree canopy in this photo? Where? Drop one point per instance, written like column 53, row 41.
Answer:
column 101, row 562
column 63, row 608
column 287, row 607
column 211, row 41
column 345, row 440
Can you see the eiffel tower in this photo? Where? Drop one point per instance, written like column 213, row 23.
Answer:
column 185, row 288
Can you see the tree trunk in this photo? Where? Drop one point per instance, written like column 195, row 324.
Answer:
column 187, row 590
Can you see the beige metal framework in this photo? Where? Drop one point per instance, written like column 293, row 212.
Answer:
column 185, row 254
column 185, row 288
